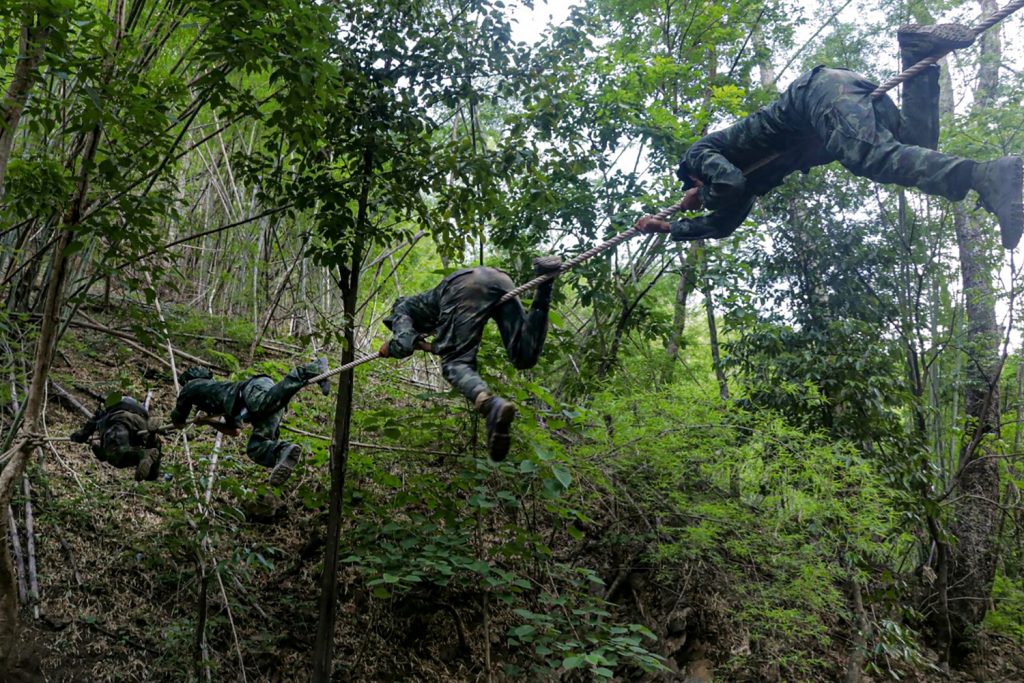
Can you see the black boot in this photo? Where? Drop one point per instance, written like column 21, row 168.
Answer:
column 918, row 41
column 500, row 414
column 999, row 187
column 286, row 462
column 148, row 468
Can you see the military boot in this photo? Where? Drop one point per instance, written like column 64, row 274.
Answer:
column 286, row 462
column 918, row 41
column 324, row 384
column 499, row 414
column 148, row 468
column 999, row 186
column 542, row 265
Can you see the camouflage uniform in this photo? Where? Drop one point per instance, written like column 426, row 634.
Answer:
column 825, row 115
column 127, row 438
column 456, row 311
column 258, row 400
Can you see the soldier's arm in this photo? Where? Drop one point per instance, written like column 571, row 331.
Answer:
column 711, row 226
column 183, row 406
column 402, row 322
column 724, row 184
column 87, row 430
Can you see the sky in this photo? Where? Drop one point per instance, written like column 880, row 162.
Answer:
column 530, row 23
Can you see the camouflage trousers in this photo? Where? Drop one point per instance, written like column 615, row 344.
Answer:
column 869, row 137
column 467, row 303
column 122, row 446
column 266, row 403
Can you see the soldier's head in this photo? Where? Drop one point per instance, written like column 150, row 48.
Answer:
column 389, row 322
column 194, row 373
column 685, row 176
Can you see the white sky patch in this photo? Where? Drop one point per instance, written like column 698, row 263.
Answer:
column 530, row 25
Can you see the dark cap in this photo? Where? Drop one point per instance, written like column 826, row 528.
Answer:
column 194, row 373
column 683, row 173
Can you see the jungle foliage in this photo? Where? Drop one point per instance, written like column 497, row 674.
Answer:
column 790, row 455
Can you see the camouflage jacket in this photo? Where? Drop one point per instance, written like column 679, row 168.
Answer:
column 719, row 159
column 127, row 411
column 415, row 317
column 212, row 397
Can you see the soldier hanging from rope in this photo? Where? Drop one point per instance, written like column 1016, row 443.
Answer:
column 259, row 401
column 828, row 115
column 455, row 313
column 127, row 438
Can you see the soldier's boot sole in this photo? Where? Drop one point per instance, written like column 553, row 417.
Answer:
column 918, row 41
column 499, row 438
column 542, row 265
column 283, row 469
column 324, row 384
column 148, row 468
column 1000, row 187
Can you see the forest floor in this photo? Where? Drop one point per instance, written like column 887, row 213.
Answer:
column 120, row 562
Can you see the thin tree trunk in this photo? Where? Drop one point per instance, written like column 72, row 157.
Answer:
column 975, row 523
column 324, row 648
column 34, row 34
column 709, row 305
column 687, row 283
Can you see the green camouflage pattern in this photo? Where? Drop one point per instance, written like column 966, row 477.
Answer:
column 455, row 313
column 259, row 401
column 213, row 397
column 125, row 432
column 266, row 403
column 825, row 115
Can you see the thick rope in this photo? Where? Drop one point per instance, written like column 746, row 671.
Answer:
column 347, row 366
column 585, row 256
column 979, row 28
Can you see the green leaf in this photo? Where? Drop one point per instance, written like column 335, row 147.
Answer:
column 562, row 475
column 572, row 662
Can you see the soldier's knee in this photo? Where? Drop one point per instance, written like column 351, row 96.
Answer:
column 261, row 452
column 453, row 371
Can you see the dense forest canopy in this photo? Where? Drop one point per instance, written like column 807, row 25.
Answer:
column 790, row 454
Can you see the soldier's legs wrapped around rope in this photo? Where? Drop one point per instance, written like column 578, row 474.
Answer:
column 263, row 396
column 858, row 133
column 466, row 306
column 523, row 333
column 919, row 110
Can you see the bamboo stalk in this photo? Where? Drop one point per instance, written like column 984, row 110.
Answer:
column 30, row 548
column 19, row 558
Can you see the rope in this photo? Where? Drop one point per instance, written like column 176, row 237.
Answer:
column 586, row 256
column 979, row 28
column 347, row 366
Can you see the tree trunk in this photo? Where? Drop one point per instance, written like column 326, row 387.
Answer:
column 687, row 283
column 975, row 520
column 34, row 33
column 709, row 305
column 349, row 282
